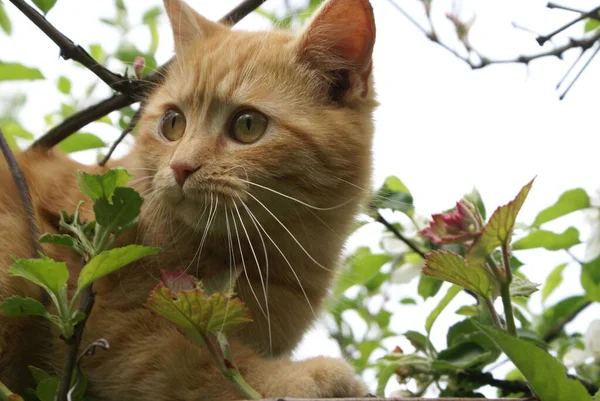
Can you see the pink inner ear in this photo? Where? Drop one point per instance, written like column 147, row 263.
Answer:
column 347, row 28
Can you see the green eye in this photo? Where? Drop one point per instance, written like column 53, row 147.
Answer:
column 248, row 126
column 172, row 124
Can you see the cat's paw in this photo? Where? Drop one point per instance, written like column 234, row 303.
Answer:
column 334, row 378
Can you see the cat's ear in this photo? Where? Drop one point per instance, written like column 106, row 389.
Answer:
column 188, row 25
column 340, row 37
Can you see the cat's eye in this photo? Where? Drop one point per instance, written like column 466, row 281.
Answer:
column 172, row 124
column 248, row 125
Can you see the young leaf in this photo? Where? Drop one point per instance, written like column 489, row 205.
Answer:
column 177, row 281
column 80, row 141
column 359, row 268
column 463, row 356
column 45, row 272
column 108, row 261
column 548, row 240
column 452, row 292
column 195, row 313
column 429, row 286
column 4, row 21
column 521, row 287
column 64, row 85
column 498, row 229
column 553, row 281
column 546, row 375
column 46, row 390
column 19, row 306
column 38, row 374
column 18, row 72
column 102, row 186
column 58, row 239
column 122, row 213
column 418, row 340
column 590, row 279
column 452, row 267
column 393, row 195
column 44, row 5
column 568, row 202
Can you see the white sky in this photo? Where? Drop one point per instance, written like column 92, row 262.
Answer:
column 441, row 127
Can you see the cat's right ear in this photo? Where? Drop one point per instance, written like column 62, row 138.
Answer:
column 188, row 25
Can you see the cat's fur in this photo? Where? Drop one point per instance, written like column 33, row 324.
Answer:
column 317, row 92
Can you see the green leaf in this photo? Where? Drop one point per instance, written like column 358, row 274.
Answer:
column 558, row 313
column 18, row 72
column 498, row 229
column 466, row 332
column 546, row 375
column 97, row 52
column 591, row 24
column 467, row 310
column 45, row 272
column 429, row 286
column 393, row 195
column 44, row 5
column 450, row 294
column 462, row 356
column 359, row 268
column 47, row 389
column 452, row 267
column 122, row 213
column 109, row 261
column 568, row 202
column 38, row 374
column 418, row 340
column 151, row 15
column 59, row 239
column 521, row 287
column 548, row 240
column 102, row 186
column 195, row 313
column 590, row 279
column 64, row 85
column 80, row 141
column 19, row 306
column 553, row 281
column 393, row 363
column 13, row 128
column 408, row 301
column 4, row 21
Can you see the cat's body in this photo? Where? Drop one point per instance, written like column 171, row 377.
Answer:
column 210, row 204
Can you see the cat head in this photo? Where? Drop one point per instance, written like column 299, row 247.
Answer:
column 243, row 114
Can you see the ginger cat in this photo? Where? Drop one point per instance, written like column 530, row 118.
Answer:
column 253, row 152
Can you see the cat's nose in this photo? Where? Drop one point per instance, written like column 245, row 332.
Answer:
column 182, row 171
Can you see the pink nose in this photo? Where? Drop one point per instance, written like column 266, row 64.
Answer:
column 182, row 171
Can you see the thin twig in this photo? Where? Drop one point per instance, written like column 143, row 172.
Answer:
column 398, row 234
column 585, row 66
column 140, row 89
column 483, row 61
column 544, row 38
column 69, row 50
column 24, row 194
column 85, row 306
column 561, row 7
column 124, row 133
column 555, row 330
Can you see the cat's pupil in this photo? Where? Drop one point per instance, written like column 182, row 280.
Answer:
column 248, row 120
column 173, row 121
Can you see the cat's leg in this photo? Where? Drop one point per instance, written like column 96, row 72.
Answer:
column 150, row 359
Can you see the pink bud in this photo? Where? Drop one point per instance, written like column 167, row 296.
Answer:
column 138, row 66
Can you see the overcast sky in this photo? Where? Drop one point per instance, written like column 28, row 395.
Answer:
column 441, row 127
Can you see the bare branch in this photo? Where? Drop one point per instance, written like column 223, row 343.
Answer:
column 140, row 90
column 125, row 132
column 24, row 194
column 544, row 38
column 69, row 50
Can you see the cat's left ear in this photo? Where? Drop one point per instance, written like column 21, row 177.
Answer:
column 188, row 25
column 340, row 39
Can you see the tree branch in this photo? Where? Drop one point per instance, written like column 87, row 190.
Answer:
column 557, row 328
column 24, row 194
column 583, row 44
column 69, row 50
column 139, row 89
column 399, row 235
